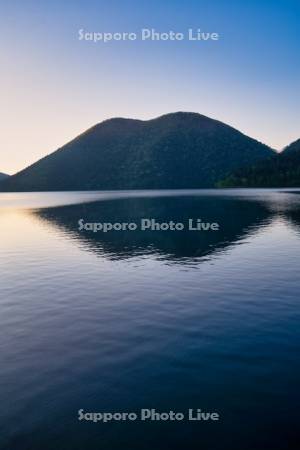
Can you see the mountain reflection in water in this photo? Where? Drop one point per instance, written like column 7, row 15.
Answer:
column 235, row 217
column 170, row 320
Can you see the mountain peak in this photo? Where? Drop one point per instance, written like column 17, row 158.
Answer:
column 173, row 151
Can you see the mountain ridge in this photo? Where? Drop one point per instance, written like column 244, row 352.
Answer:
column 176, row 150
column 3, row 176
column 280, row 170
column 292, row 147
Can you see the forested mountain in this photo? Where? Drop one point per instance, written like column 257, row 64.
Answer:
column 281, row 170
column 179, row 150
column 3, row 176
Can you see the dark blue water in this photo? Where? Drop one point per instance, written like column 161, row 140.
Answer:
column 123, row 321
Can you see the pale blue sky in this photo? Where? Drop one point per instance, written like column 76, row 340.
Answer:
column 54, row 86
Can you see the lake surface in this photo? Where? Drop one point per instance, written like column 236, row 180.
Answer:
column 171, row 320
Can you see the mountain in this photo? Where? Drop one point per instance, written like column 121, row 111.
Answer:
column 3, row 176
column 178, row 150
column 281, row 170
column 292, row 148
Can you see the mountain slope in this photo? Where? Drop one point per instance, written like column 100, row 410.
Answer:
column 281, row 170
column 179, row 150
column 3, row 176
column 293, row 147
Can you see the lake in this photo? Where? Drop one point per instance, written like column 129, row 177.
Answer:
column 150, row 319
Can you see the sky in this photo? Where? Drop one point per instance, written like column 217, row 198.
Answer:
column 54, row 86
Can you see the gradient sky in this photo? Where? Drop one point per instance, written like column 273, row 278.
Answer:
column 54, row 86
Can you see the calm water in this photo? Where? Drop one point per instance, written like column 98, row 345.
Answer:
column 159, row 319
